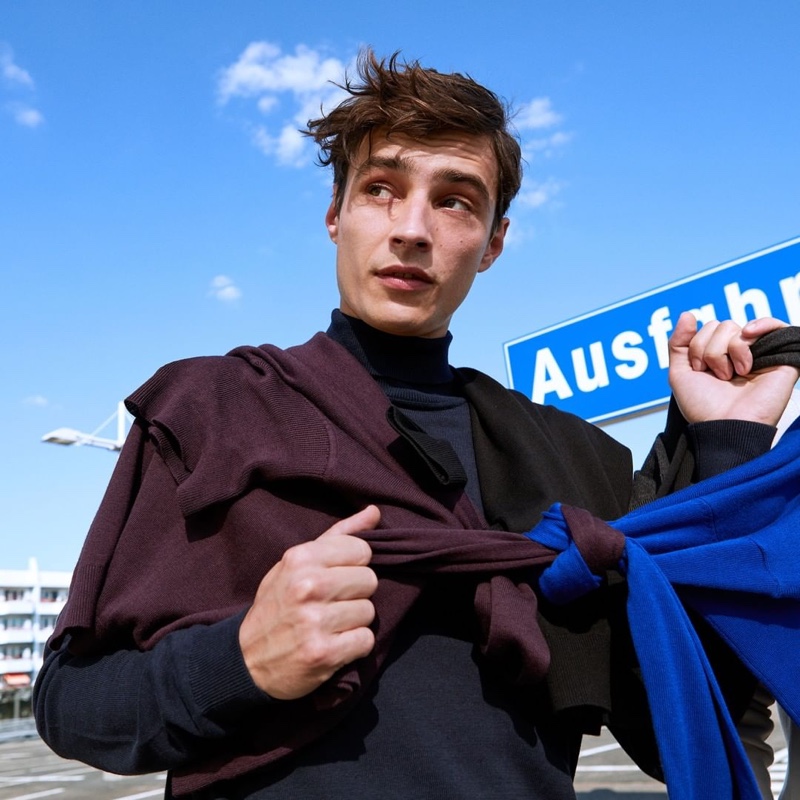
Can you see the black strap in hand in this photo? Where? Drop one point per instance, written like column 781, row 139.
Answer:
column 781, row 346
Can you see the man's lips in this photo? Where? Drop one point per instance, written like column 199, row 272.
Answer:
column 404, row 277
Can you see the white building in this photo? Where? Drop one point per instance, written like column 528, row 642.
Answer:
column 30, row 601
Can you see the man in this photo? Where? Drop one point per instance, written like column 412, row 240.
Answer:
column 294, row 586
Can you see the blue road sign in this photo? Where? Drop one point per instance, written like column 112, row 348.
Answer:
column 612, row 362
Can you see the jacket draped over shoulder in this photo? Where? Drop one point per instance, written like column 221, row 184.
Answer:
column 234, row 459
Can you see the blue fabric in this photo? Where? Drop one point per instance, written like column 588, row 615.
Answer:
column 727, row 547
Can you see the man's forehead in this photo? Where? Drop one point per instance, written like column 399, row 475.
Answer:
column 467, row 151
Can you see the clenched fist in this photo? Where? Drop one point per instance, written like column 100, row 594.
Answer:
column 312, row 611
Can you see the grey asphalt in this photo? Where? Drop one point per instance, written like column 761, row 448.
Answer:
column 29, row 770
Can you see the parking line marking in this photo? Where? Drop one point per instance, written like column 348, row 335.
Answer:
column 35, row 795
column 141, row 795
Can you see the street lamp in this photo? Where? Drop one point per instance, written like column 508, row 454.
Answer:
column 68, row 436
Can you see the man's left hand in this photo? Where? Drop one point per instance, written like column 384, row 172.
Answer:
column 710, row 372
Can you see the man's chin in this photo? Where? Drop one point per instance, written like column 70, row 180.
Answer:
column 407, row 327
column 399, row 320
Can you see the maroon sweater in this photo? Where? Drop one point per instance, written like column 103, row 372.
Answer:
column 197, row 513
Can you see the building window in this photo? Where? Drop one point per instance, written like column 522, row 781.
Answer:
column 53, row 595
column 16, row 623
column 13, row 594
column 15, row 651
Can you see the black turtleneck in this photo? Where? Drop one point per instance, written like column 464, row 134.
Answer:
column 416, row 376
column 438, row 722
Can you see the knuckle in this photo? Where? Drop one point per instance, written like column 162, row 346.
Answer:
column 316, row 653
column 353, row 551
column 362, row 552
column 310, row 619
column 296, row 557
column 304, row 589
column 369, row 612
column 365, row 641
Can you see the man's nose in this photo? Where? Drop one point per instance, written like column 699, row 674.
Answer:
column 412, row 223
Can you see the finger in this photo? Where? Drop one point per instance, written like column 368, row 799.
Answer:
column 727, row 352
column 311, row 560
column 345, row 583
column 698, row 346
column 350, row 582
column 330, row 651
column 349, row 615
column 758, row 327
column 353, row 644
column 724, row 352
column 315, row 659
column 740, row 355
column 720, row 347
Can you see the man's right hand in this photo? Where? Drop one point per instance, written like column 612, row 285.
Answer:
column 312, row 610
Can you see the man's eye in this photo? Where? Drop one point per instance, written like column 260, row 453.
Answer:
column 456, row 203
column 378, row 190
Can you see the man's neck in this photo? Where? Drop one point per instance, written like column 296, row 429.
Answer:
column 411, row 359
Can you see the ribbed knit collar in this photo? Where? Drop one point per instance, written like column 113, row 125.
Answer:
column 410, row 359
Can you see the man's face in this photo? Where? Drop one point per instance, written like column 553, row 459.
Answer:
column 414, row 229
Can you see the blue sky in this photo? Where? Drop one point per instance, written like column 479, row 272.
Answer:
column 156, row 204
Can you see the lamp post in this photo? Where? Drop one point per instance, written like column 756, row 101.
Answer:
column 70, row 436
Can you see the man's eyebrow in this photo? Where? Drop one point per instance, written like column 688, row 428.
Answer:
column 446, row 175
column 458, row 176
column 394, row 163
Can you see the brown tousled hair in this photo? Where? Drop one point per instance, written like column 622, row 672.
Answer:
column 408, row 99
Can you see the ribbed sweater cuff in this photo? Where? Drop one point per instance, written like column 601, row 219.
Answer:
column 219, row 681
column 720, row 445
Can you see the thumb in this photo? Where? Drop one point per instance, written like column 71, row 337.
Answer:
column 363, row 520
column 684, row 331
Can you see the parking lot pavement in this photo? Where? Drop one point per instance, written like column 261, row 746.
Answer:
column 606, row 773
column 29, row 770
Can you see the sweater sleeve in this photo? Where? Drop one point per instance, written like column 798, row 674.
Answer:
column 686, row 453
column 102, row 699
column 132, row 712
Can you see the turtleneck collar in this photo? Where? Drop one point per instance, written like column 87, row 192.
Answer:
column 411, row 359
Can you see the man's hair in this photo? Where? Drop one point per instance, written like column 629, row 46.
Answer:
column 405, row 98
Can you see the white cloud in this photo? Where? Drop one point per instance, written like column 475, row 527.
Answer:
column 559, row 138
column 266, row 104
column 534, row 119
column 537, row 114
column 537, row 194
column 26, row 116
column 519, row 233
column 544, row 146
column 224, row 289
column 36, row 400
column 12, row 73
column 16, row 79
column 288, row 147
column 263, row 69
column 288, row 89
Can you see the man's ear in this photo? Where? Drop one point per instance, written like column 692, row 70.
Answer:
column 495, row 245
column 332, row 219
